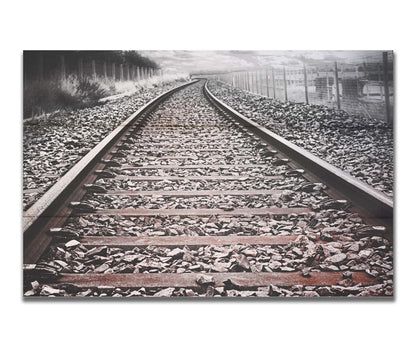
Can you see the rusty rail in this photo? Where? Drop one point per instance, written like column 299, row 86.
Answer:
column 375, row 206
column 40, row 217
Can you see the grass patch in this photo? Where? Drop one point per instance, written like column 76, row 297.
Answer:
column 72, row 92
column 48, row 96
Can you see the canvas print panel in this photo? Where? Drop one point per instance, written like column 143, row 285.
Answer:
column 208, row 174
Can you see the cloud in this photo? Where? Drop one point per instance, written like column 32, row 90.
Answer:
column 181, row 61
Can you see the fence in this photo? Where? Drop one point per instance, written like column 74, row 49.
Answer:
column 40, row 67
column 362, row 87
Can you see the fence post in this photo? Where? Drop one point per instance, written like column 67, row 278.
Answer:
column 328, row 92
column 380, row 73
column 251, row 81
column 80, row 68
column 285, row 83
column 40, row 67
column 337, row 86
column 241, row 80
column 94, row 73
column 259, row 81
column 386, row 87
column 247, row 81
column 63, row 72
column 274, row 85
column 365, row 72
column 105, row 69
column 357, row 77
column 305, row 77
column 267, row 83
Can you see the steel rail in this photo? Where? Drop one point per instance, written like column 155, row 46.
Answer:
column 52, row 209
column 372, row 204
column 41, row 213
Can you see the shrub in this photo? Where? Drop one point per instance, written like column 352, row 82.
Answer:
column 89, row 92
column 46, row 96
column 73, row 92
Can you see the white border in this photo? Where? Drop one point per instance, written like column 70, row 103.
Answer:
column 207, row 25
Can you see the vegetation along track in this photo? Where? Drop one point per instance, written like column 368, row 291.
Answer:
column 189, row 198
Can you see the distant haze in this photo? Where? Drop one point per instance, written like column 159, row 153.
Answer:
column 212, row 61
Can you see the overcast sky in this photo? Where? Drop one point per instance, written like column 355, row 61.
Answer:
column 205, row 61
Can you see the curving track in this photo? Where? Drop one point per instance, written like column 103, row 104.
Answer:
column 189, row 198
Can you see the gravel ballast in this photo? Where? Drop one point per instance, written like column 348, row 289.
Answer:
column 328, row 236
column 52, row 145
column 361, row 147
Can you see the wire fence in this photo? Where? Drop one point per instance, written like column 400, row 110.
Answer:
column 363, row 87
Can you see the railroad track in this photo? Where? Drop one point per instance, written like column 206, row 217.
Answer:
column 189, row 198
